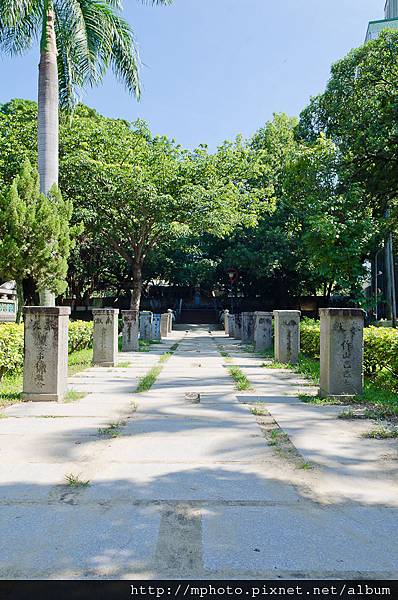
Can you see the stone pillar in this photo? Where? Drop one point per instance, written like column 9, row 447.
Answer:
column 238, row 326
column 169, row 310
column 287, row 336
column 46, row 353
column 247, row 328
column 155, row 335
column 341, row 352
column 130, row 331
column 105, row 336
column 262, row 331
column 164, row 325
column 226, row 322
column 146, row 325
column 231, row 326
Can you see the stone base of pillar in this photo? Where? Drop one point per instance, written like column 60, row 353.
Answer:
column 231, row 326
column 105, row 340
column 46, row 353
column 164, row 325
column 170, row 312
column 146, row 319
column 262, row 331
column 226, row 322
column 238, row 327
column 287, row 336
column 130, row 331
column 341, row 355
column 247, row 331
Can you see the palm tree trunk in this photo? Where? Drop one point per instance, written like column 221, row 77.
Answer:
column 48, row 123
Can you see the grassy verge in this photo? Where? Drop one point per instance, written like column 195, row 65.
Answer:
column 240, row 379
column 382, row 403
column 146, row 382
column 11, row 385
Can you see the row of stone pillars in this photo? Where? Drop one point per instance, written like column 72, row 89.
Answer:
column 341, row 343
column 46, row 344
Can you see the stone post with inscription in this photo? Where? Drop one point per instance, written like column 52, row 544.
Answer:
column 247, row 328
column 130, row 331
column 46, row 353
column 238, row 326
column 146, row 318
column 287, row 336
column 262, row 331
column 341, row 352
column 171, row 314
column 155, row 334
column 231, row 326
column 164, row 325
column 226, row 322
column 105, row 343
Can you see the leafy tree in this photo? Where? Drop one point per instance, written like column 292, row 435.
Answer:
column 35, row 237
column 79, row 41
column 158, row 192
column 358, row 112
column 331, row 221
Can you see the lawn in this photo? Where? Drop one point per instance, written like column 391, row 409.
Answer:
column 11, row 385
column 373, row 396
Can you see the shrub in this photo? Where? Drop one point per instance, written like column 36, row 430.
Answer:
column 80, row 335
column 12, row 343
column 11, row 348
column 380, row 350
column 310, row 335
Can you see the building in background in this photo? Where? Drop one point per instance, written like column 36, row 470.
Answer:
column 390, row 20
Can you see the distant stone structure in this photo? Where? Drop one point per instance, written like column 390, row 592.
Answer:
column 105, row 336
column 8, row 302
column 262, row 331
column 287, row 336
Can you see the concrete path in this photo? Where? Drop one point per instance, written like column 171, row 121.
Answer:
column 183, row 490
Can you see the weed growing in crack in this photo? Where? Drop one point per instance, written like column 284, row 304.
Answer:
column 75, row 481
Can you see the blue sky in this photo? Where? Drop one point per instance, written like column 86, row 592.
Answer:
column 216, row 68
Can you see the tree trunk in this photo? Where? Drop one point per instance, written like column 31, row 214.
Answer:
column 48, row 123
column 136, row 299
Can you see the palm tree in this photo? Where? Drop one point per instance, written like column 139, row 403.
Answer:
column 79, row 41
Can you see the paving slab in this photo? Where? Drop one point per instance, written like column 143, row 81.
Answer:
column 298, row 539
column 190, row 490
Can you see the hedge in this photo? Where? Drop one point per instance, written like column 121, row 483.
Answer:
column 380, row 346
column 12, row 342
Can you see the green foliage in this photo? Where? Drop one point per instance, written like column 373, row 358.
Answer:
column 35, row 236
column 358, row 111
column 11, row 348
column 12, row 344
column 80, row 335
column 310, row 335
column 380, row 351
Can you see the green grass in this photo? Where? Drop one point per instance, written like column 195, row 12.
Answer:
column 382, row 433
column 79, row 361
column 145, row 345
column 240, row 379
column 10, row 389
column 146, row 382
column 373, row 395
column 258, row 412
column 11, row 385
column 112, row 431
column 74, row 395
column 75, row 481
column 165, row 357
column 123, row 365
